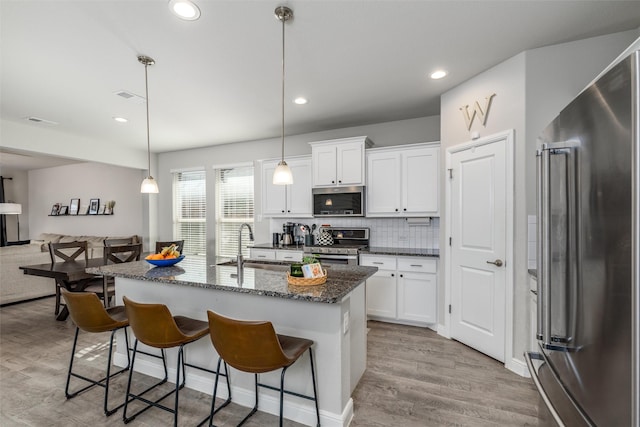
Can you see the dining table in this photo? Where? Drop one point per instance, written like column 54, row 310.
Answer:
column 71, row 275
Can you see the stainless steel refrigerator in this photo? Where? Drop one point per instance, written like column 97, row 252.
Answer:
column 587, row 367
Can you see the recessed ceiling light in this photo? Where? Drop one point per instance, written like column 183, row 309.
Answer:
column 300, row 100
column 438, row 74
column 120, row 119
column 184, row 9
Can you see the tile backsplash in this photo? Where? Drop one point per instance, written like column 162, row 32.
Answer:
column 384, row 232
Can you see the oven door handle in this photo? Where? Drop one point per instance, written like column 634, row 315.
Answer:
column 331, row 256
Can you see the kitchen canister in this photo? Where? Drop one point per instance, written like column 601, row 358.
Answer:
column 325, row 238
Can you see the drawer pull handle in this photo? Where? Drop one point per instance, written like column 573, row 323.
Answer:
column 262, row 256
column 416, row 265
column 378, row 263
column 288, row 257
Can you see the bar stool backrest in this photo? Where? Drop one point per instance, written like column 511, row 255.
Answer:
column 153, row 324
column 249, row 346
column 88, row 313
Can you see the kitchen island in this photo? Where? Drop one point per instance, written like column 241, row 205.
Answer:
column 333, row 315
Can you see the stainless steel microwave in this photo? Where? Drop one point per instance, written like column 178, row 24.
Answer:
column 338, row 201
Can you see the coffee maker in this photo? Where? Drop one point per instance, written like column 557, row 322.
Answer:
column 287, row 233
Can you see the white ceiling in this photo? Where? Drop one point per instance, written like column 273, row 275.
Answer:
column 217, row 79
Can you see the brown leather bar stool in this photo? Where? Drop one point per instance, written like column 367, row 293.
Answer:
column 88, row 313
column 254, row 347
column 154, row 326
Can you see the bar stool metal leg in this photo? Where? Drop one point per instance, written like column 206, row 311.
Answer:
column 99, row 382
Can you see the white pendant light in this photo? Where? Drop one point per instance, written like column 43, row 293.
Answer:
column 282, row 175
column 149, row 185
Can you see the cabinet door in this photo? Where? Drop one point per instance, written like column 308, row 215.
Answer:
column 381, row 294
column 324, row 165
column 420, row 176
column 350, row 163
column 383, row 183
column 262, row 254
column 273, row 196
column 299, row 199
column 417, row 297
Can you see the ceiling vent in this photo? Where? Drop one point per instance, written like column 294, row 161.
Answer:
column 130, row 96
column 39, row 120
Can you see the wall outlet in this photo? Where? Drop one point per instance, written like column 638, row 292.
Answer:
column 345, row 322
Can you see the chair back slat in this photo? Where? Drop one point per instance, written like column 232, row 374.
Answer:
column 122, row 253
column 65, row 251
column 117, row 242
column 178, row 243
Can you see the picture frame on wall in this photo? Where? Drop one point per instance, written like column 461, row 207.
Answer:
column 94, row 205
column 55, row 209
column 101, row 210
column 64, row 210
column 74, row 207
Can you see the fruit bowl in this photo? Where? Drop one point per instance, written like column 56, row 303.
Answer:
column 165, row 262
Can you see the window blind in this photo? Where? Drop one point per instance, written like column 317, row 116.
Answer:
column 190, row 216
column 234, row 206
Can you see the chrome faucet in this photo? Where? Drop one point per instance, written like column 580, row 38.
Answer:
column 240, row 260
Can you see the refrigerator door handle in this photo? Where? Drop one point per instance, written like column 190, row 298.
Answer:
column 544, row 231
column 528, row 356
column 539, row 237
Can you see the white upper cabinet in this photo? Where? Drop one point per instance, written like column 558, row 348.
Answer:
column 403, row 181
column 287, row 200
column 339, row 162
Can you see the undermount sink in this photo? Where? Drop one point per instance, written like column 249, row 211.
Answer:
column 259, row 265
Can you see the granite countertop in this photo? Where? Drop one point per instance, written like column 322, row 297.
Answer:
column 195, row 272
column 279, row 247
column 374, row 250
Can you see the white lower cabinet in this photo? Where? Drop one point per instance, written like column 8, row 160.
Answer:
column 403, row 290
column 275, row 255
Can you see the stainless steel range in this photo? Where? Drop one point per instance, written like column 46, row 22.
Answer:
column 347, row 243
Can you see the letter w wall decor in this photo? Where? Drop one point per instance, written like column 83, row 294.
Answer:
column 477, row 110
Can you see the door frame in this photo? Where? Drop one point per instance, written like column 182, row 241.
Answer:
column 508, row 136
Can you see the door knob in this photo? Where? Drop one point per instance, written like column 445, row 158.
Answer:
column 497, row 263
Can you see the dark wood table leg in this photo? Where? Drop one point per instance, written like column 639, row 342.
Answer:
column 64, row 313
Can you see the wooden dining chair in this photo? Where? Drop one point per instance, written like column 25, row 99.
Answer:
column 114, row 255
column 118, row 242
column 178, row 243
column 68, row 252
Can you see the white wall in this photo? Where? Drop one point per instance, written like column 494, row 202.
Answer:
column 423, row 129
column 530, row 89
column 86, row 181
column 47, row 140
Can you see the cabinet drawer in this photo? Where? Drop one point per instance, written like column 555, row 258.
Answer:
column 418, row 265
column 263, row 254
column 292, row 256
column 382, row 262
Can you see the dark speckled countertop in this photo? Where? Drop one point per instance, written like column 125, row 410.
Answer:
column 195, row 272
column 279, row 247
column 374, row 250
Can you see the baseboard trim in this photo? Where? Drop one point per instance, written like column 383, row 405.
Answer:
column 518, row 366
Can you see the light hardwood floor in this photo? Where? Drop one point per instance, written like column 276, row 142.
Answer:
column 414, row 378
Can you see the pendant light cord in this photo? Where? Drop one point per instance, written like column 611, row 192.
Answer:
column 282, row 133
column 146, row 88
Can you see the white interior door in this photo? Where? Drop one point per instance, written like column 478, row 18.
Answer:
column 478, row 247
